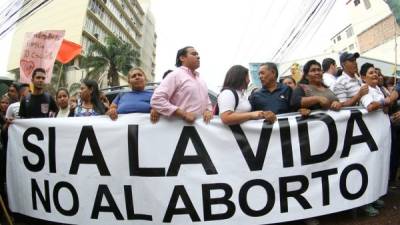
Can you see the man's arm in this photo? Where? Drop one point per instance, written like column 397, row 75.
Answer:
column 160, row 100
column 356, row 98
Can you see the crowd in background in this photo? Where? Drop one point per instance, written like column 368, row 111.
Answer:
column 184, row 94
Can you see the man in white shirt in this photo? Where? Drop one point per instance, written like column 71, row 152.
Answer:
column 13, row 109
column 330, row 69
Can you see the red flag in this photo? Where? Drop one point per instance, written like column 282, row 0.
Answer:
column 68, row 51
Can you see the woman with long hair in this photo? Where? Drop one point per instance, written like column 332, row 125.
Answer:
column 233, row 105
column 90, row 104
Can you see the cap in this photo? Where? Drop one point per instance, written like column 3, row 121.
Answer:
column 346, row 56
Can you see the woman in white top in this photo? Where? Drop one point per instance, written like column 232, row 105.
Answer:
column 374, row 100
column 62, row 99
column 234, row 106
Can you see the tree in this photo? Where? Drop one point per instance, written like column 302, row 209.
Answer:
column 58, row 79
column 113, row 57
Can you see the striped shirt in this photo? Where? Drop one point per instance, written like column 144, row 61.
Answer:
column 346, row 87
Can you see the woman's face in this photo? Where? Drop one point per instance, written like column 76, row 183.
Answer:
column 137, row 80
column 73, row 102
column 62, row 99
column 371, row 78
column 289, row 82
column 4, row 104
column 315, row 74
column 86, row 93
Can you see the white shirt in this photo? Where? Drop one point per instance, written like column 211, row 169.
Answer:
column 63, row 112
column 374, row 95
column 346, row 87
column 328, row 79
column 226, row 102
column 13, row 111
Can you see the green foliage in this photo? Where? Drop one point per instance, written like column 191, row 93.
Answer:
column 58, row 79
column 116, row 56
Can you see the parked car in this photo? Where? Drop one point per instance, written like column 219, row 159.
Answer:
column 4, row 83
column 112, row 92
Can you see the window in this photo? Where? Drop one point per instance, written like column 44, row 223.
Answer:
column 334, row 41
column 351, row 47
column 349, row 32
column 367, row 4
column 356, row 2
column 339, row 38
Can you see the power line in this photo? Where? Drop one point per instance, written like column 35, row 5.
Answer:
column 25, row 16
column 7, row 19
column 316, row 23
column 320, row 22
column 295, row 22
column 297, row 34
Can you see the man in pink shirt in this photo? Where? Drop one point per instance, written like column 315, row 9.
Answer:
column 183, row 93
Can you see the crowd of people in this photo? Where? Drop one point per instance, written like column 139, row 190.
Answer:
column 184, row 94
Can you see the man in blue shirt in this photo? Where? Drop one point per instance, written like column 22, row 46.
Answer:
column 273, row 96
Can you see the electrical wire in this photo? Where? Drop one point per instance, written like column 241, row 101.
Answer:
column 25, row 16
column 299, row 33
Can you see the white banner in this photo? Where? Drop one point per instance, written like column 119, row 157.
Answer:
column 98, row 171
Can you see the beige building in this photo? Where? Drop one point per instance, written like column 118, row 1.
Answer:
column 87, row 21
column 375, row 31
column 345, row 40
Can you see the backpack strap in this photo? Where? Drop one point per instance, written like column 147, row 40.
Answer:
column 235, row 94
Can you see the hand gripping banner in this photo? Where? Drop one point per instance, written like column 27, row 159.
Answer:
column 98, row 171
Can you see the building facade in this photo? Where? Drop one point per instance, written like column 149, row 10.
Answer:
column 88, row 21
column 375, row 31
column 345, row 40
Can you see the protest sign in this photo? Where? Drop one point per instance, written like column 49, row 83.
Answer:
column 39, row 51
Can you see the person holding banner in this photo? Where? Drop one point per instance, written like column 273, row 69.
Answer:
column 312, row 93
column 183, row 93
column 273, row 98
column 90, row 104
column 375, row 99
column 233, row 106
column 348, row 87
column 135, row 101
column 38, row 104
